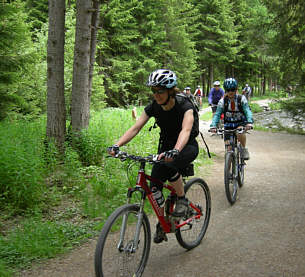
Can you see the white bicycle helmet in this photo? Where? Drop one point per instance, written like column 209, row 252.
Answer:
column 216, row 83
column 163, row 78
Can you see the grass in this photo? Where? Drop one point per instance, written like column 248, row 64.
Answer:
column 206, row 116
column 275, row 106
column 22, row 167
column 47, row 206
column 279, row 128
column 256, row 108
column 38, row 238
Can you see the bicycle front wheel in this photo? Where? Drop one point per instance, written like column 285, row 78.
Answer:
column 241, row 170
column 118, row 253
column 231, row 185
column 191, row 234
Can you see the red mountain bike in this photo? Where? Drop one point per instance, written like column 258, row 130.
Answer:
column 124, row 243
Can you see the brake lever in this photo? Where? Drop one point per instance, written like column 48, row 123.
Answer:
column 155, row 157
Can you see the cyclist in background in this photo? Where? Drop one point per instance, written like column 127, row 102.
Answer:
column 188, row 91
column 198, row 94
column 177, row 143
column 236, row 114
column 190, row 95
column 215, row 94
column 247, row 92
column 289, row 90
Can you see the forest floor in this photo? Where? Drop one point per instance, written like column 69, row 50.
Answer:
column 261, row 235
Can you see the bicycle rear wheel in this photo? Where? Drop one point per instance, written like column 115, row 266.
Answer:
column 115, row 255
column 191, row 234
column 231, row 185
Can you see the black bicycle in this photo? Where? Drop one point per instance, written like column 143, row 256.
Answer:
column 234, row 169
column 124, row 243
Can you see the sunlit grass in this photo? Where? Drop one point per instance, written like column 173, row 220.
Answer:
column 93, row 184
column 207, row 116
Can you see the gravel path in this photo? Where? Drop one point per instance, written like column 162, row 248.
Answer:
column 263, row 234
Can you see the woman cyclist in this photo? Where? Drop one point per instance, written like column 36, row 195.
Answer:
column 236, row 114
column 177, row 143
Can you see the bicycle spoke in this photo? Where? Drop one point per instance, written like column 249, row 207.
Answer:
column 191, row 234
column 116, row 254
column 230, row 176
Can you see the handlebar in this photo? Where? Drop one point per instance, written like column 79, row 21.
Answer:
column 152, row 159
column 238, row 130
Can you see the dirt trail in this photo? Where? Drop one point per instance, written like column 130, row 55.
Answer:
column 263, row 234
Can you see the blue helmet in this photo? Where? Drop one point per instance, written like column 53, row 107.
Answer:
column 230, row 84
column 163, row 78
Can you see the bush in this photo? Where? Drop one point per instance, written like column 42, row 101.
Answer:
column 295, row 106
column 22, row 168
column 4, row 271
column 256, row 108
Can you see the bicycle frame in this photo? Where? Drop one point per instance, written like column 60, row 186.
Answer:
column 124, row 243
column 234, row 144
column 142, row 187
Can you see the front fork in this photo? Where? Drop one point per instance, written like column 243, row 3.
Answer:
column 236, row 169
column 134, row 246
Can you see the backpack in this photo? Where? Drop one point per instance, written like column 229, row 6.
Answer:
column 226, row 104
column 181, row 98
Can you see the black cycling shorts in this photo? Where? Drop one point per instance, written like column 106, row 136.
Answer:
column 165, row 171
column 214, row 108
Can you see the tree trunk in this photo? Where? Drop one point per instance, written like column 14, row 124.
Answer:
column 203, row 83
column 211, row 76
column 80, row 100
column 264, row 84
column 227, row 74
column 270, row 84
column 56, row 109
column 94, row 30
column 257, row 85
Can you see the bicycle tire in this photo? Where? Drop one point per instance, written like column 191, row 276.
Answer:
column 191, row 235
column 241, row 170
column 229, row 177
column 111, row 261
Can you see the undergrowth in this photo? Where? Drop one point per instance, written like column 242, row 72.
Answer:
column 49, row 205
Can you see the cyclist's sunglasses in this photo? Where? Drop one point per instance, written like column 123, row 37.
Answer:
column 158, row 90
column 231, row 90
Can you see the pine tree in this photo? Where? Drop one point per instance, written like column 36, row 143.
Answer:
column 37, row 13
column 217, row 38
column 15, row 55
column 290, row 39
column 181, row 48
column 118, row 49
column 254, row 56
